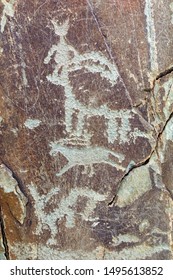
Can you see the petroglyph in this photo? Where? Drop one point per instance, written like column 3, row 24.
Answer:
column 7, row 11
column 64, row 209
column 151, row 33
column 67, row 60
column 86, row 156
column 118, row 124
column 32, row 123
column 122, row 238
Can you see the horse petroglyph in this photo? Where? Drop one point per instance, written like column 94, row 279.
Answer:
column 86, row 156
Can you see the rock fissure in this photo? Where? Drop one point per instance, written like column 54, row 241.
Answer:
column 16, row 177
column 159, row 76
column 144, row 162
column 4, row 237
column 164, row 73
column 109, row 51
column 100, row 30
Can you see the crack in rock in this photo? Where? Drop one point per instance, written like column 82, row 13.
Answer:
column 154, row 150
column 12, row 209
column 4, row 237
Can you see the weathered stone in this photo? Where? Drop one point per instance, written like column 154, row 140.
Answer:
column 2, row 249
column 86, row 104
column 12, row 208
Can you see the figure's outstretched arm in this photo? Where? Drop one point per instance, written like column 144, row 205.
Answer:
column 50, row 53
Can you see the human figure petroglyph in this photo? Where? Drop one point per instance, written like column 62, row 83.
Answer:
column 69, row 59
column 87, row 156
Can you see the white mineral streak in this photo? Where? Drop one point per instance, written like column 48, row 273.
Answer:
column 168, row 97
column 1, row 51
column 7, row 11
column 151, row 33
column 32, row 123
column 64, row 209
column 23, row 68
column 134, row 186
column 171, row 7
column 9, row 185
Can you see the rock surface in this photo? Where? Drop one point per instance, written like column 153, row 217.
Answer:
column 86, row 129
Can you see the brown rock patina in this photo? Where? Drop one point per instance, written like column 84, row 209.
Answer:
column 86, row 102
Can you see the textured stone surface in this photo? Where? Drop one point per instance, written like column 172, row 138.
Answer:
column 86, row 129
column 2, row 249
